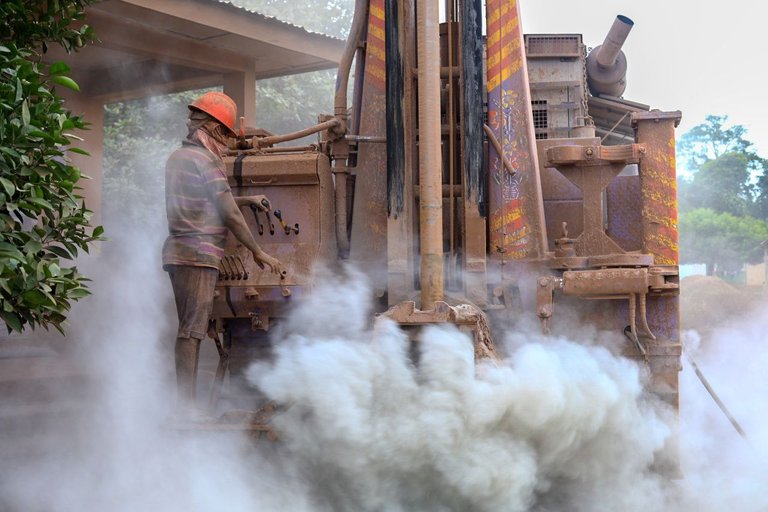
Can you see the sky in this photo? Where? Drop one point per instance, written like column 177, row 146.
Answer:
column 698, row 57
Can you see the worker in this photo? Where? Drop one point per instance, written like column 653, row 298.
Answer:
column 201, row 209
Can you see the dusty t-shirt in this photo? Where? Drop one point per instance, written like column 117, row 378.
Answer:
column 194, row 178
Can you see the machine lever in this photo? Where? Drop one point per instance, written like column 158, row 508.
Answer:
column 279, row 217
column 255, row 210
column 269, row 221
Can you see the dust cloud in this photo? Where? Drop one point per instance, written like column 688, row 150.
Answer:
column 559, row 426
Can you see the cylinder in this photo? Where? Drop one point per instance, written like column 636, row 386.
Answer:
column 607, row 64
column 611, row 47
column 394, row 111
column 430, row 165
column 472, row 108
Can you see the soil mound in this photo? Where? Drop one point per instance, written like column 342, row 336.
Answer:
column 707, row 301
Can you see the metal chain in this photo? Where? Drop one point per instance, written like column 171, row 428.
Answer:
column 588, row 121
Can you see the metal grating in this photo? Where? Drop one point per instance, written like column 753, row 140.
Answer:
column 540, row 118
column 566, row 45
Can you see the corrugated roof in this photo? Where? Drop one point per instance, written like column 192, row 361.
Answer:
column 612, row 117
column 273, row 19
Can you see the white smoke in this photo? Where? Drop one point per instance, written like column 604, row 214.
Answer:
column 723, row 470
column 560, row 425
column 556, row 423
column 116, row 450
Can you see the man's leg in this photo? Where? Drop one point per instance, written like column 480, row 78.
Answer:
column 187, row 354
column 193, row 289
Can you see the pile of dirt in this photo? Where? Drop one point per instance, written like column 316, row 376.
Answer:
column 707, row 302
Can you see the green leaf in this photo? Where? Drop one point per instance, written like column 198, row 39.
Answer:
column 59, row 251
column 4, row 49
column 12, row 320
column 10, row 151
column 10, row 251
column 9, row 187
column 36, row 298
column 79, row 151
column 41, row 134
column 33, row 246
column 79, row 293
column 40, row 202
column 66, row 82
column 98, row 231
column 58, row 68
column 54, row 270
column 25, row 113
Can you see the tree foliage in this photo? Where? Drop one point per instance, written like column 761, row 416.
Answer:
column 713, row 139
column 722, row 184
column 290, row 103
column 720, row 239
column 724, row 202
column 42, row 218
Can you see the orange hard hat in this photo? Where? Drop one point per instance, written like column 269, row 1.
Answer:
column 219, row 106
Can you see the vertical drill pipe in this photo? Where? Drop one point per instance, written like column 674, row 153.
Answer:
column 430, row 166
column 394, row 110
column 474, row 207
column 451, row 133
column 472, row 105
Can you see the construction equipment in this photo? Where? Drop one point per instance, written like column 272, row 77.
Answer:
column 478, row 179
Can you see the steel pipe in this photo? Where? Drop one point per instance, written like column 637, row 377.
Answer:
column 614, row 40
column 345, row 64
column 430, row 165
column 342, row 237
column 275, row 139
column 607, row 64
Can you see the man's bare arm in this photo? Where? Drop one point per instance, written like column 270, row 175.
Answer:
column 235, row 222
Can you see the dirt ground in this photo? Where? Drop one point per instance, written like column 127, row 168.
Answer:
column 706, row 302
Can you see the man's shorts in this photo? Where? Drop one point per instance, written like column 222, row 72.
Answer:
column 193, row 289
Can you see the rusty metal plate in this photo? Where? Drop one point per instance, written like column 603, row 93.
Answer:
column 618, row 281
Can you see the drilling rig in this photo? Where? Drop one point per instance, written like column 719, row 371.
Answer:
column 478, row 179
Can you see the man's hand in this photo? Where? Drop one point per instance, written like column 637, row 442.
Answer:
column 261, row 258
column 261, row 202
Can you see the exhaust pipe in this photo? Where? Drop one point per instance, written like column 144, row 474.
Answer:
column 607, row 64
